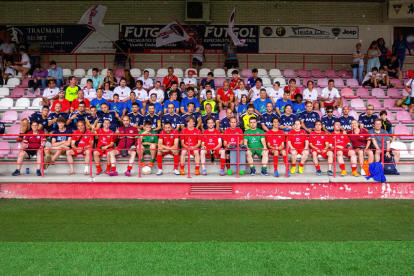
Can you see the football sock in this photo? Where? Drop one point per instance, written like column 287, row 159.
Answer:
column 159, row 161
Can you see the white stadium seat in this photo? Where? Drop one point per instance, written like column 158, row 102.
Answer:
column 66, row 72
column 83, row 81
column 104, row 72
column 79, row 73
column 135, row 72
column 275, row 73
column 204, row 72
column 151, row 72
column 219, row 73
column 6, row 103
column 162, row 72
column 229, row 75
column 281, row 80
column 267, row 82
column 4, row 91
column 402, row 147
column 262, row 73
column 178, row 72
column 412, row 148
column 89, row 72
column 13, row 82
column 22, row 103
column 35, row 104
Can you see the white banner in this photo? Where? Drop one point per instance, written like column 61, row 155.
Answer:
column 171, row 33
column 236, row 41
column 93, row 17
column 401, row 9
column 309, row 31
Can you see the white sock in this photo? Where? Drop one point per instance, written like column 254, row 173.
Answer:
column 340, row 110
column 86, row 169
column 323, row 111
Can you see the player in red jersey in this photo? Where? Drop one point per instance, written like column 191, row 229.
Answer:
column 105, row 144
column 190, row 140
column 81, row 143
column 298, row 144
column 168, row 142
column 225, row 97
column 275, row 139
column 211, row 146
column 342, row 144
column 230, row 140
column 319, row 144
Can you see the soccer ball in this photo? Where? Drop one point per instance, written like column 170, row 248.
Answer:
column 146, row 170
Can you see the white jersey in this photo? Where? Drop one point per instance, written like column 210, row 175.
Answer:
column 275, row 94
column 142, row 95
column 123, row 93
column 310, row 96
column 203, row 94
column 146, row 83
column 159, row 93
column 90, row 94
column 255, row 95
column 25, row 57
column 49, row 93
column 333, row 94
column 238, row 94
column 369, row 75
column 108, row 95
column 9, row 71
column 190, row 81
column 198, row 55
column 408, row 83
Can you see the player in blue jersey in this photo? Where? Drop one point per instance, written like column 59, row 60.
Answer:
column 171, row 117
column 345, row 119
column 287, row 120
column 308, row 118
column 367, row 119
column 137, row 119
column 267, row 118
column 298, row 106
column 328, row 120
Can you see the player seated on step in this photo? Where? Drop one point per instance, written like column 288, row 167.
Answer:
column 149, row 142
column 104, row 146
column 233, row 138
column 168, row 142
column 275, row 139
column 298, row 144
column 211, row 146
column 190, row 141
column 341, row 142
column 319, row 145
column 81, row 144
column 60, row 144
column 255, row 141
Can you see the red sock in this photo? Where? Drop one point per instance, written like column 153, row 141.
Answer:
column 182, row 166
column 342, row 166
column 108, row 168
column 197, row 168
column 98, row 167
column 275, row 161
column 129, row 168
column 285, row 160
column 113, row 168
column 353, row 168
column 159, row 161
column 300, row 164
column 318, row 168
column 222, row 163
column 176, row 161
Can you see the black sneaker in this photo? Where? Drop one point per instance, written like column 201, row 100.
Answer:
column 39, row 173
column 16, row 173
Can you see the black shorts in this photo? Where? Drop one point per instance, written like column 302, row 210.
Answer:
column 412, row 100
column 31, row 153
column 197, row 62
column 231, row 64
column 382, row 83
column 391, row 74
column 368, row 83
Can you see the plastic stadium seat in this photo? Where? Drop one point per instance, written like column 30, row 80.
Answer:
column 186, row 72
column 336, row 113
column 305, row 82
column 219, row 73
column 289, row 73
column 323, row 83
column 345, row 103
column 281, row 80
column 316, row 73
column 352, row 83
column 301, row 89
column 245, row 82
column 339, row 83
column 119, row 73
column 89, row 73
column 6, row 103
column 4, row 91
column 15, row 151
column 354, row 114
column 262, row 73
column 22, row 103
column 24, row 115
column 222, row 114
column 13, row 82
column 267, row 82
column 275, row 73
column 246, row 73
column 34, row 95
column 10, row 116
column 14, row 129
column 104, row 72
column 358, row 104
column 83, row 82
column 378, row 93
column 25, row 83
column 401, row 147
column 412, row 148
column 16, row 93
column 363, row 93
column 390, row 117
column 405, row 82
column 4, row 149
column 401, row 129
column 389, row 104
column 218, row 82
column 204, row 72
column 135, row 72
column 230, row 75
column 76, row 81
column 393, row 93
column 178, row 72
column 319, row 92
column 67, row 72
column 35, row 104
column 404, row 117
column 348, row 93
column 331, row 74
column 160, row 79
column 376, row 103
column 319, row 112
column 298, row 83
column 398, row 82
column 344, row 74
column 409, row 73
column 303, row 73
column 79, row 72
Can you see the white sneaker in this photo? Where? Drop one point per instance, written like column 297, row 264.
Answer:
column 86, row 170
column 160, row 172
column 363, row 172
column 176, row 172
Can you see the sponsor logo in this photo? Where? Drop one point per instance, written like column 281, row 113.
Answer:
column 346, row 32
column 336, row 31
column 397, row 8
column 306, row 31
column 280, row 31
column 93, row 13
column 267, row 31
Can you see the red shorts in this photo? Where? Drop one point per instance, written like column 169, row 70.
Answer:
column 273, row 150
column 76, row 152
column 299, row 151
column 102, row 151
column 324, row 155
column 166, row 152
column 345, row 151
column 328, row 104
column 216, row 153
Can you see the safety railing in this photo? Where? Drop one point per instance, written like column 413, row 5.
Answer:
column 139, row 149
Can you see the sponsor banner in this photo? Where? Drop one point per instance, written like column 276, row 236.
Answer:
column 66, row 38
column 142, row 38
column 309, row 31
column 408, row 34
column 401, row 10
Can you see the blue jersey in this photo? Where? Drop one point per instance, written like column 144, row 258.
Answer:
column 252, row 82
column 242, row 108
column 185, row 101
column 158, row 108
column 346, row 122
column 117, row 107
column 154, row 120
column 204, row 81
column 136, row 119
column 2, row 128
column 175, row 103
column 329, row 123
column 204, row 117
column 97, row 103
column 267, row 119
column 128, row 105
column 92, row 119
column 298, row 108
column 368, row 122
column 175, row 120
column 309, row 118
column 79, row 117
column 400, row 47
column 196, row 115
column 225, row 123
column 111, row 116
column 281, row 105
column 54, row 115
column 62, row 138
column 287, row 120
column 39, row 118
column 260, row 105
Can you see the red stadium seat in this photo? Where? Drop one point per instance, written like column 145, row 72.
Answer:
column 389, row 104
column 14, row 129
column 352, row 83
column 390, row 117
column 401, row 129
column 363, row 93
column 298, row 84
column 344, row 74
column 218, row 82
column 25, row 114
column 222, row 114
column 319, row 92
column 245, row 81
column 303, row 73
column 330, row 74
column 25, row 83
column 404, row 117
column 323, row 83
column 398, row 82
column 409, row 73
column 393, row 93
column 305, row 82
column 378, row 93
column 376, row 103
column 336, row 113
column 316, row 73
column 15, row 151
column 16, row 93
column 319, row 112
column 289, row 73
column 119, row 73
column 10, row 116
column 354, row 114
column 405, row 82
column 246, row 73
column 348, row 93
column 345, row 103
column 339, row 83
column 358, row 104
column 4, row 149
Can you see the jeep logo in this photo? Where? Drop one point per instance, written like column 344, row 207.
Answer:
column 345, row 32
column 336, row 31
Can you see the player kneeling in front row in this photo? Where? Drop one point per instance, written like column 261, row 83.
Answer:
column 319, row 144
column 149, row 142
column 256, row 145
column 168, row 142
column 298, row 144
column 342, row 144
column 81, row 144
column 59, row 143
column 126, row 146
column 105, row 144
column 275, row 139
column 211, row 146
column 190, row 141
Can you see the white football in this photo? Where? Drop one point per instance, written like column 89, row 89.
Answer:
column 146, row 170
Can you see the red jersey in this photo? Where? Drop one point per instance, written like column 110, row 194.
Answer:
column 342, row 140
column 65, row 105
column 75, row 103
column 232, row 139
column 85, row 140
column 168, row 139
column 234, row 83
column 168, row 80
column 225, row 95
column 292, row 95
column 275, row 138
column 298, row 141
column 359, row 141
column 104, row 140
column 34, row 141
column 211, row 141
column 190, row 137
column 318, row 139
